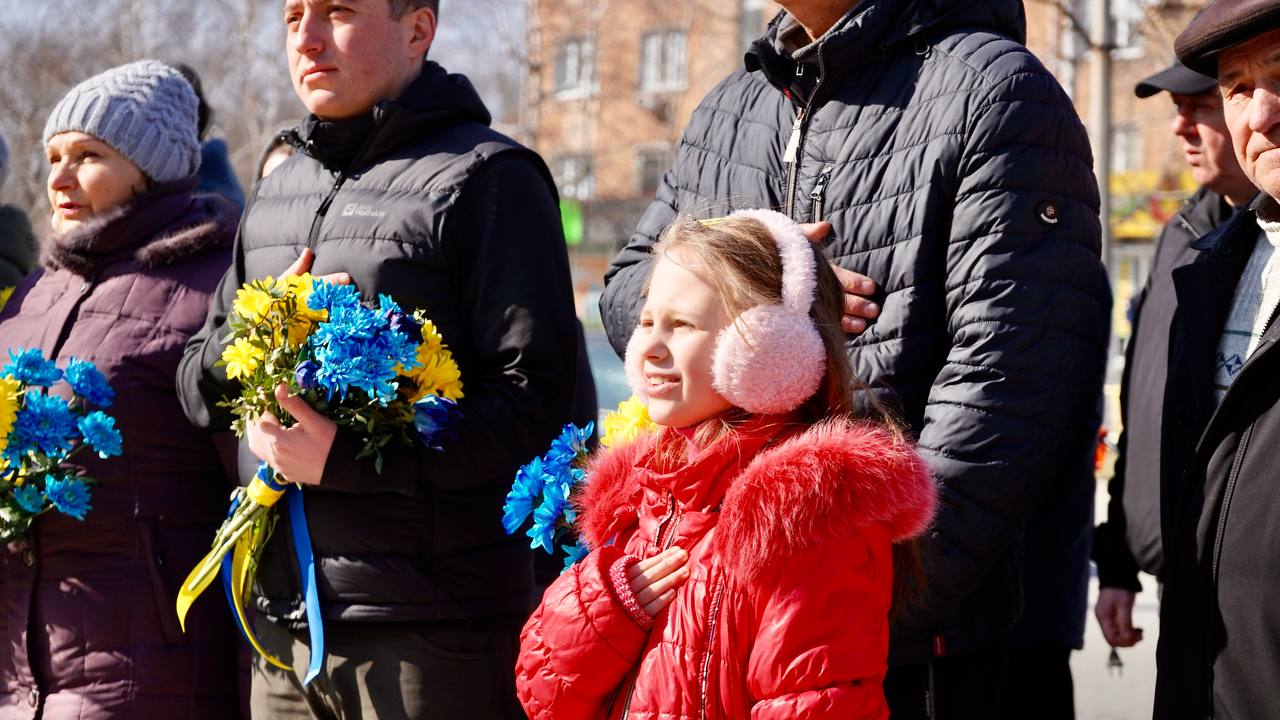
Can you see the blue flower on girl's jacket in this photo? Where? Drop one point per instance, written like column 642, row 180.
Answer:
column 89, row 383
column 527, row 488
column 433, row 418
column 29, row 498
column 99, row 430
column 568, row 447
column 574, row 553
column 45, row 423
column 555, row 502
column 29, row 367
column 69, row 495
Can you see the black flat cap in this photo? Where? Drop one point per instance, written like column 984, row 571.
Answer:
column 1177, row 79
column 1221, row 25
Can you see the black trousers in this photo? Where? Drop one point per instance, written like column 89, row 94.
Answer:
column 456, row 670
column 1039, row 685
column 953, row 687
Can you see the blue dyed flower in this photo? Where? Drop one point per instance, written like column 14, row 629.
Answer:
column 69, row 495
column 555, row 500
column 89, row 383
column 434, row 418
column 29, row 366
column 305, row 374
column 29, row 498
column 45, row 424
column 328, row 296
column 99, row 431
column 574, row 553
column 568, row 447
column 524, row 491
column 357, row 350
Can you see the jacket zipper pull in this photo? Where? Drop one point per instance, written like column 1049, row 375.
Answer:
column 793, row 144
column 819, row 192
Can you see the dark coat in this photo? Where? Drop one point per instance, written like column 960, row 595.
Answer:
column 1219, row 651
column 1129, row 539
column 957, row 175
column 17, row 246
column 432, row 207
column 89, row 627
column 216, row 176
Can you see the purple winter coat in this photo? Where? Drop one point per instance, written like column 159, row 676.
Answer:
column 88, row 627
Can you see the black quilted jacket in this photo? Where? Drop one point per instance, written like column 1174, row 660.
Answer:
column 956, row 174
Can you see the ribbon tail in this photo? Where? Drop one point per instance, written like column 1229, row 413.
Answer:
column 191, row 589
column 234, row 584
column 307, row 568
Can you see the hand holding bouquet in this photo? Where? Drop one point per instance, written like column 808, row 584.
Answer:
column 380, row 372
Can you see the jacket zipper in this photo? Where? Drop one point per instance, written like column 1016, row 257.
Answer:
column 323, row 210
column 711, row 638
column 791, row 157
column 671, row 522
column 1226, row 500
column 819, row 192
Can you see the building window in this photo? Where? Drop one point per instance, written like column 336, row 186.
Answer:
column 573, row 177
column 651, row 165
column 662, row 61
column 1126, row 148
column 1127, row 16
column 576, row 68
column 752, row 22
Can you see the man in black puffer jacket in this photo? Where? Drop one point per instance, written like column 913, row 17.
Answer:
column 399, row 184
column 957, row 175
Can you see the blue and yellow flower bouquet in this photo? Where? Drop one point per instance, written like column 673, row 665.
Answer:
column 544, row 487
column 384, row 373
column 40, row 433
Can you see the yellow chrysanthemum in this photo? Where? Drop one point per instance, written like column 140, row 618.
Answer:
column 242, row 358
column 252, row 304
column 9, row 400
column 438, row 375
column 432, row 340
column 4, row 296
column 627, row 423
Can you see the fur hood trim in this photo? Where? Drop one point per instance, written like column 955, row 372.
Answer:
column 204, row 224
column 825, row 484
column 216, row 230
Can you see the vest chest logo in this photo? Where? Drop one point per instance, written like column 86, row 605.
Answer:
column 358, row 210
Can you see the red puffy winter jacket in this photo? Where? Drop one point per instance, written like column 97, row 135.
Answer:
column 785, row 612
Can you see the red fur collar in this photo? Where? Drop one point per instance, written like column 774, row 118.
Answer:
column 827, row 483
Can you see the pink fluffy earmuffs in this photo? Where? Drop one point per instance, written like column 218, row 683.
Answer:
column 770, row 359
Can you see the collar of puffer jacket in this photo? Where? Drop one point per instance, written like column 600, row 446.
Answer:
column 156, row 229
column 828, row 483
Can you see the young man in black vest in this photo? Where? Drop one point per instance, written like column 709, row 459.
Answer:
column 399, row 186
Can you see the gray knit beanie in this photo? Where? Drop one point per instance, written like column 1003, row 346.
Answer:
column 145, row 110
column 4, row 161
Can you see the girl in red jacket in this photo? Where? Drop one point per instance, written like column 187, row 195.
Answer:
column 742, row 562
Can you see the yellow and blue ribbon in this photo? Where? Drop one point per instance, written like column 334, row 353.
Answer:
column 237, row 562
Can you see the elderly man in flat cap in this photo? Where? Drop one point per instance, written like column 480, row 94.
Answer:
column 1219, row 650
column 1129, row 539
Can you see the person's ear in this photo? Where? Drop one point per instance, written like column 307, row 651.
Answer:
column 423, row 31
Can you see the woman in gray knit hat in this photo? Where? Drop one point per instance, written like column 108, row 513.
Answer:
column 127, row 276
